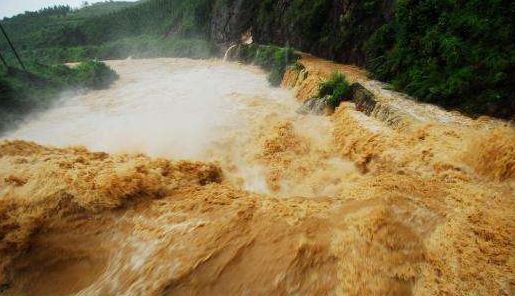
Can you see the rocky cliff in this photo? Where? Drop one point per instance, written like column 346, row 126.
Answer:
column 321, row 27
column 231, row 18
column 457, row 54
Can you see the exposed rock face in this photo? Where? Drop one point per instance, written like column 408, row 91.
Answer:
column 231, row 18
column 334, row 30
column 367, row 103
column 316, row 106
column 319, row 27
column 364, row 99
column 308, row 106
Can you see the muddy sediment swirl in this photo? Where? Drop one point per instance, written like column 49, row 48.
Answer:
column 209, row 183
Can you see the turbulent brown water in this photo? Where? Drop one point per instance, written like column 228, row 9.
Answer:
column 266, row 201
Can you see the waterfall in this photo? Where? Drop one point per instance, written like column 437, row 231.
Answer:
column 226, row 55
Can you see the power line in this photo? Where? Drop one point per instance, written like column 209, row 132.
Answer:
column 3, row 60
column 12, row 47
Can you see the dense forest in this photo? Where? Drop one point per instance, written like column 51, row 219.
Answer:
column 459, row 54
column 53, row 25
column 60, row 34
column 454, row 53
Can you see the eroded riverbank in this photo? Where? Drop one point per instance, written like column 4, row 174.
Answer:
column 291, row 204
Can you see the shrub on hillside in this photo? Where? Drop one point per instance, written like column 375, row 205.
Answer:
column 336, row 87
column 95, row 75
column 269, row 57
column 137, row 47
column 297, row 67
column 458, row 54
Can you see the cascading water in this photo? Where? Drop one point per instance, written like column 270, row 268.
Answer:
column 228, row 51
column 215, row 108
column 281, row 204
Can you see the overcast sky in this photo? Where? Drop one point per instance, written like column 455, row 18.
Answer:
column 12, row 7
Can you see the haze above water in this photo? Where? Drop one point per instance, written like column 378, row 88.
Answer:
column 181, row 109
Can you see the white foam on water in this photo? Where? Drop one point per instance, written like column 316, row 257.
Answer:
column 173, row 108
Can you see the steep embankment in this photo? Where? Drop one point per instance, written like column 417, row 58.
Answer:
column 346, row 205
column 335, row 30
column 456, row 54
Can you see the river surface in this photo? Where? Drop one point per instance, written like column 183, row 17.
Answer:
column 152, row 105
column 193, row 110
column 198, row 178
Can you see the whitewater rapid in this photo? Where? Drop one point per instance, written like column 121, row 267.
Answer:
column 203, row 180
column 166, row 107
column 186, row 109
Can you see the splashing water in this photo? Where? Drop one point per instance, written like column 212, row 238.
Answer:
column 226, row 55
column 279, row 212
column 149, row 108
column 182, row 109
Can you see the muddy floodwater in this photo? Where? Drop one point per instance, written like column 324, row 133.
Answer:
column 189, row 110
column 198, row 178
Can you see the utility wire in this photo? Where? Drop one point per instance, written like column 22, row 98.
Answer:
column 3, row 60
column 12, row 47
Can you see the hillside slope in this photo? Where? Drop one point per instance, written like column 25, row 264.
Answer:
column 44, row 27
column 457, row 54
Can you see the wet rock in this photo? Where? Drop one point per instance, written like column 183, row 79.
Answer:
column 365, row 101
column 5, row 286
column 231, row 19
column 315, row 106
column 307, row 106
column 394, row 113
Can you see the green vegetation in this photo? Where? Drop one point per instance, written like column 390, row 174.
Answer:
column 100, row 8
column 23, row 92
column 100, row 23
column 458, row 54
column 309, row 17
column 271, row 58
column 136, row 47
column 297, row 67
column 54, row 26
column 336, row 87
column 454, row 53
column 326, row 28
column 94, row 75
column 155, row 28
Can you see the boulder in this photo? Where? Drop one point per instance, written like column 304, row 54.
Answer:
column 315, row 106
column 365, row 100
